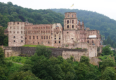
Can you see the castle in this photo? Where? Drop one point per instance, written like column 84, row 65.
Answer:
column 73, row 32
column 68, row 40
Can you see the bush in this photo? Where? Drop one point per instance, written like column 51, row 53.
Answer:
column 43, row 50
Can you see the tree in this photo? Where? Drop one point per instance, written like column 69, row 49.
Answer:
column 108, row 74
column 42, row 50
column 85, row 60
column 23, row 76
column 106, row 50
column 1, row 56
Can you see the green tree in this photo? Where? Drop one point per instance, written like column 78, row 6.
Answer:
column 85, row 60
column 106, row 50
column 23, row 76
column 42, row 50
column 1, row 56
column 109, row 74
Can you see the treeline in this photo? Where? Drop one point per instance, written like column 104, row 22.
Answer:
column 93, row 20
column 10, row 12
column 42, row 66
column 3, row 38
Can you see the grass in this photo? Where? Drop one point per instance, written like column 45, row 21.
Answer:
column 18, row 59
column 37, row 45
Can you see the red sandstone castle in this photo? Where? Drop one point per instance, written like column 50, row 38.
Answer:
column 73, row 32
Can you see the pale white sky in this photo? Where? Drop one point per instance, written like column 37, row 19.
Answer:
column 106, row 7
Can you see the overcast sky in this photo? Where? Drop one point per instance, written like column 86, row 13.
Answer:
column 106, row 7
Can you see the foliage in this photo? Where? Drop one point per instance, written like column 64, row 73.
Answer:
column 3, row 38
column 18, row 59
column 85, row 60
column 1, row 56
column 43, row 50
column 109, row 74
column 36, row 46
column 23, row 76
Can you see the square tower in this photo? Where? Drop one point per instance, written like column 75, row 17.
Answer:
column 70, row 21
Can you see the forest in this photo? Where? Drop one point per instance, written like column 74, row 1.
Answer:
column 43, row 66
column 93, row 20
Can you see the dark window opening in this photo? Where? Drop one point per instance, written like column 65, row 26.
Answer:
column 38, row 42
column 21, row 40
column 67, row 26
column 67, row 21
column 37, row 37
column 33, row 37
column 59, row 41
column 72, row 21
column 14, row 40
column 44, row 37
column 54, row 38
column 48, row 42
column 67, row 32
column 14, row 36
column 59, row 38
column 55, row 41
column 29, row 37
column 72, row 26
column 87, row 41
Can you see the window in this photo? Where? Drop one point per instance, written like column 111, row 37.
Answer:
column 59, row 38
column 67, row 26
column 59, row 41
column 17, row 31
column 21, row 32
column 44, row 37
column 13, row 31
column 87, row 41
column 54, row 38
column 48, row 42
column 37, row 37
column 21, row 36
column 14, row 40
column 14, row 36
column 67, row 32
column 55, row 41
column 21, row 40
column 72, row 15
column 33, row 37
column 72, row 26
column 10, row 27
column 67, row 21
column 68, row 15
column 38, row 42
column 72, row 21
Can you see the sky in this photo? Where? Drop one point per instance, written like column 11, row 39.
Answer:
column 105, row 7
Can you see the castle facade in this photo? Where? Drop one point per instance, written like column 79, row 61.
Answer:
column 73, row 33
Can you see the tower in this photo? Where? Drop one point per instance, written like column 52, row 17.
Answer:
column 70, row 21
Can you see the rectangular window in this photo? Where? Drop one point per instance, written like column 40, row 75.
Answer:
column 14, row 36
column 41, row 37
column 59, row 41
column 72, row 26
column 37, row 37
column 44, row 37
column 14, row 40
column 55, row 41
column 21, row 36
column 21, row 40
column 67, row 26
column 72, row 21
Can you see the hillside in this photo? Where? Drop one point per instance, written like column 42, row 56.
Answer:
column 10, row 12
